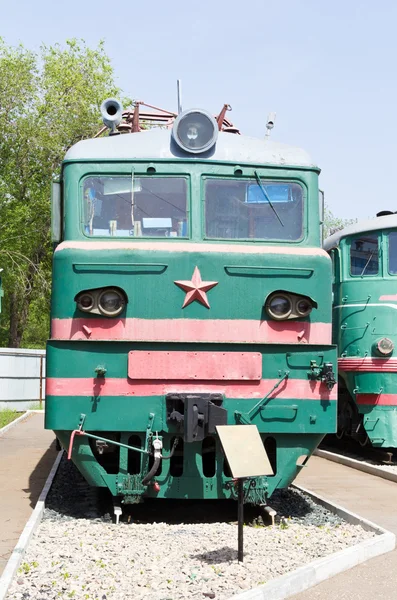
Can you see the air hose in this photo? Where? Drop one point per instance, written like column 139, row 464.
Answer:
column 171, row 454
column 158, row 445
column 152, row 472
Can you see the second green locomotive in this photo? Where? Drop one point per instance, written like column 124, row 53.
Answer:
column 364, row 259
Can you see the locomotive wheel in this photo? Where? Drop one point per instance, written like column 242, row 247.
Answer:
column 345, row 413
column 340, row 434
column 363, row 441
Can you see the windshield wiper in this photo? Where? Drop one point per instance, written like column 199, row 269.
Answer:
column 259, row 182
column 367, row 263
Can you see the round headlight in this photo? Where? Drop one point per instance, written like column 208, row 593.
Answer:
column 385, row 346
column 279, row 306
column 85, row 302
column 195, row 131
column 303, row 307
column 111, row 303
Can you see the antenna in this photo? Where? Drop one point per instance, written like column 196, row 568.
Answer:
column 179, row 93
column 270, row 123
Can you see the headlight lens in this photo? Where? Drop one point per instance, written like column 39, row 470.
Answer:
column 279, row 306
column 111, row 303
column 282, row 305
column 303, row 307
column 195, row 131
column 85, row 302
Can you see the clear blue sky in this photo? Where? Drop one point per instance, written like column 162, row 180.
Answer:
column 328, row 69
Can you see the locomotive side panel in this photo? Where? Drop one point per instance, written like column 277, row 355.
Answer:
column 365, row 304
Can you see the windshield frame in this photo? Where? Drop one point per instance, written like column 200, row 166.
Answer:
column 363, row 273
column 265, row 178
column 138, row 175
column 387, row 235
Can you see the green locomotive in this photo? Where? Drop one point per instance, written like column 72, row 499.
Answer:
column 364, row 257
column 190, row 290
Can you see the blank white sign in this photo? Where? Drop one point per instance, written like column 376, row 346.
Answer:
column 244, row 450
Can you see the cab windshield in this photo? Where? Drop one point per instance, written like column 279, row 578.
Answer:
column 129, row 206
column 364, row 255
column 253, row 209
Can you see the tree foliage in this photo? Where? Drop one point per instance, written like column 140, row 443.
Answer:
column 332, row 224
column 48, row 101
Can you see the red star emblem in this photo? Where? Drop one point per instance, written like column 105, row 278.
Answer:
column 196, row 289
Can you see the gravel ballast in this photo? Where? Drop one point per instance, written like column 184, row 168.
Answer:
column 77, row 552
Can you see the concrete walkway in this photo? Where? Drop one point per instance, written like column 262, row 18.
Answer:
column 27, row 453
column 372, row 498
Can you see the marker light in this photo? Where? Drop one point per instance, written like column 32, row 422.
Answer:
column 85, row 302
column 195, row 131
column 303, row 307
column 385, row 347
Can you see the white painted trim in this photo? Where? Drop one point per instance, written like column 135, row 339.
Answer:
column 355, row 305
column 356, row 464
column 26, row 535
column 323, row 568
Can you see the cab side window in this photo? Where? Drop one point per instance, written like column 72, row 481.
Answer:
column 332, row 255
column 364, row 255
column 393, row 253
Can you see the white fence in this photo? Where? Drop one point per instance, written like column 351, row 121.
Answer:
column 22, row 378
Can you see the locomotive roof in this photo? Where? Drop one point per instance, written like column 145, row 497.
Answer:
column 157, row 143
column 385, row 222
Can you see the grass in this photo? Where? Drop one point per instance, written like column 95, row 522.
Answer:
column 36, row 406
column 7, row 415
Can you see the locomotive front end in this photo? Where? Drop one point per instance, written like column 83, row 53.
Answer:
column 190, row 291
column 365, row 304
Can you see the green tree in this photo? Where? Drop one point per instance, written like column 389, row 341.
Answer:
column 48, row 101
column 332, row 224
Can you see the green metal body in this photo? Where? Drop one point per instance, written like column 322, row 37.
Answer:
column 364, row 312
column 293, row 426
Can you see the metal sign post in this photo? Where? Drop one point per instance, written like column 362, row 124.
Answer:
column 240, row 519
column 247, row 458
